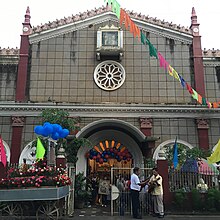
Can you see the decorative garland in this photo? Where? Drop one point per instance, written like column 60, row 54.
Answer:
column 102, row 156
column 134, row 29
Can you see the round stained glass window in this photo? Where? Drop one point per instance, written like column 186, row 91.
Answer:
column 109, row 75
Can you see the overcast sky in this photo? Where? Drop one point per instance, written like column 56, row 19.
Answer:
column 175, row 11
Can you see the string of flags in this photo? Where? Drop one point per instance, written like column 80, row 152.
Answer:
column 125, row 19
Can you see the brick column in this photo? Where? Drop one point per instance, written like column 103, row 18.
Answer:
column 162, row 166
column 146, row 125
column 203, row 135
column 197, row 55
column 23, row 60
column 17, row 128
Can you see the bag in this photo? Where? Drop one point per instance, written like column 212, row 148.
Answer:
column 151, row 187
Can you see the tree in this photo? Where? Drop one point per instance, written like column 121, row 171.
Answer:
column 184, row 153
column 71, row 144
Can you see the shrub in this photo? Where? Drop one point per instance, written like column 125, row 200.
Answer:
column 180, row 198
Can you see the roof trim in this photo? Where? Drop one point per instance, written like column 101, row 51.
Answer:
column 152, row 25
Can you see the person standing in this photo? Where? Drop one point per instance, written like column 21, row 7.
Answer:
column 135, row 189
column 104, row 190
column 156, row 188
column 120, row 183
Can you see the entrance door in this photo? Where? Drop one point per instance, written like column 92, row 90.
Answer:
column 107, row 154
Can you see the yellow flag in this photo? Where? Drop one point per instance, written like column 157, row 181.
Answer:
column 40, row 150
column 215, row 157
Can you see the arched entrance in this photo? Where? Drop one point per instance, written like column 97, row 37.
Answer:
column 104, row 132
column 159, row 151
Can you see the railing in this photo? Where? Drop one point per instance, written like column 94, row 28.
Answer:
column 179, row 180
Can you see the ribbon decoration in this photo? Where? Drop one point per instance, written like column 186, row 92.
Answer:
column 134, row 29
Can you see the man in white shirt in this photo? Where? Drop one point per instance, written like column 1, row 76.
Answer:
column 157, row 193
column 135, row 189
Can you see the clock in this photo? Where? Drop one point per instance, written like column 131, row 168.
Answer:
column 196, row 30
column 25, row 29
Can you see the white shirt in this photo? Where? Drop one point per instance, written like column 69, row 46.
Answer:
column 134, row 182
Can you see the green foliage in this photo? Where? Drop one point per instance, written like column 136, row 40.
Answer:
column 180, row 198
column 72, row 146
column 184, row 153
column 197, row 201
column 82, row 188
column 213, row 200
column 61, row 117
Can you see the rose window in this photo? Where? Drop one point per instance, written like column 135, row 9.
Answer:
column 109, row 75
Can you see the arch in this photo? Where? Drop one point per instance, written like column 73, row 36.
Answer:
column 160, row 147
column 112, row 124
column 29, row 153
column 101, row 130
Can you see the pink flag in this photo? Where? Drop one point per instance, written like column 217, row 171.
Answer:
column 163, row 62
column 3, row 158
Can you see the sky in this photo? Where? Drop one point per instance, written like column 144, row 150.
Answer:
column 175, row 11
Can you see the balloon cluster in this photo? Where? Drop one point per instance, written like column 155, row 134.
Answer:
column 109, row 153
column 55, row 131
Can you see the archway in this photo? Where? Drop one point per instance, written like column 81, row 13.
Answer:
column 111, row 129
column 29, row 153
column 158, row 153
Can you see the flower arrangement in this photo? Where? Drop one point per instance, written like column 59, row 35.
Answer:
column 37, row 175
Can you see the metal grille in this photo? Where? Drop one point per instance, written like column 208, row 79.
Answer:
column 122, row 205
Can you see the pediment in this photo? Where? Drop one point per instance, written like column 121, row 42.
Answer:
column 103, row 14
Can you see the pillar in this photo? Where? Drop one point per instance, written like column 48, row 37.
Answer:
column 203, row 133
column 162, row 166
column 197, row 55
column 23, row 60
column 146, row 125
column 17, row 129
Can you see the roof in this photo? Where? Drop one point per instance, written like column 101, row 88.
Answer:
column 101, row 10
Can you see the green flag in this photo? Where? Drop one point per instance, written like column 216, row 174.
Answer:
column 40, row 150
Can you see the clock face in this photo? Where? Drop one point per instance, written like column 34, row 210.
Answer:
column 196, row 30
column 25, row 29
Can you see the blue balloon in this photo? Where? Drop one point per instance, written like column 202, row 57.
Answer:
column 48, row 129
column 55, row 136
column 64, row 133
column 38, row 129
column 56, row 127
column 46, row 123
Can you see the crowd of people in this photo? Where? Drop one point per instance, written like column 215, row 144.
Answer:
column 151, row 188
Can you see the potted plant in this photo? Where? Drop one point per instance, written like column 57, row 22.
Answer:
column 82, row 190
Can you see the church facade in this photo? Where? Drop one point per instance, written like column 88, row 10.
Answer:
column 93, row 67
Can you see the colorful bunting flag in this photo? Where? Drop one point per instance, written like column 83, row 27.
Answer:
column 175, row 154
column 215, row 156
column 3, row 157
column 163, row 62
column 134, row 29
column 195, row 94
column 40, row 150
column 115, row 7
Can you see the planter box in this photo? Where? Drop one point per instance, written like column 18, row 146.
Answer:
column 33, row 194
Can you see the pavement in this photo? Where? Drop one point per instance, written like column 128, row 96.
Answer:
column 102, row 213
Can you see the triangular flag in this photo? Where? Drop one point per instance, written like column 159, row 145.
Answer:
column 163, row 62
column 40, row 150
column 215, row 157
column 175, row 154
column 3, row 157
column 195, row 94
